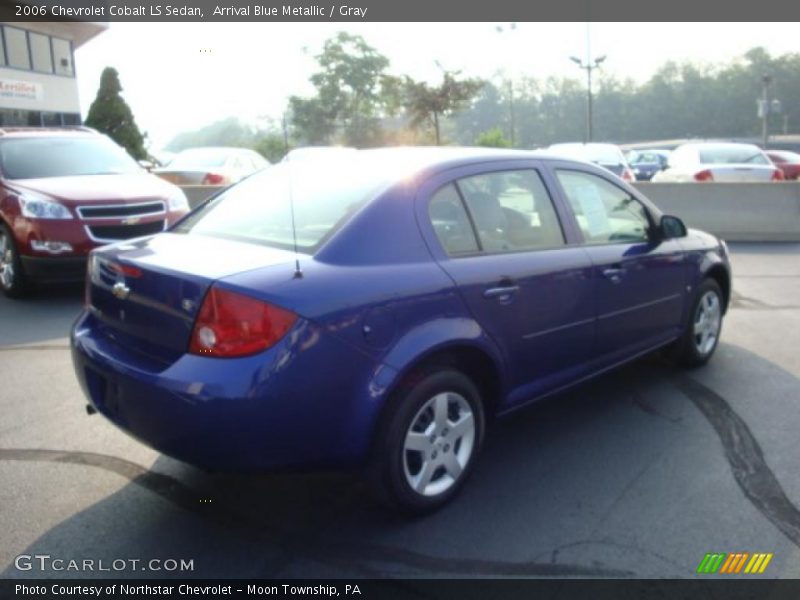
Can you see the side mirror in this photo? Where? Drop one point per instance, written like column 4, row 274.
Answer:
column 146, row 165
column 671, row 227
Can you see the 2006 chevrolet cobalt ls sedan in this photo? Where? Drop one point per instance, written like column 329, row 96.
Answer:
column 375, row 310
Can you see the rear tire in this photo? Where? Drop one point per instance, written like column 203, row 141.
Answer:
column 428, row 441
column 12, row 278
column 703, row 327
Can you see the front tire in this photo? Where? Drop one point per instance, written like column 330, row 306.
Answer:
column 12, row 277
column 428, row 441
column 703, row 328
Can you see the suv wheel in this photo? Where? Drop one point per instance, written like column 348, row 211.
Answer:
column 12, row 279
column 428, row 442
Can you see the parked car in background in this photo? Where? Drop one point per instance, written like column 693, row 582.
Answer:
column 211, row 166
column 718, row 161
column 607, row 156
column 788, row 162
column 646, row 163
column 65, row 191
column 378, row 311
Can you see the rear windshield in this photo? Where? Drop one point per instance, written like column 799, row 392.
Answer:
column 733, row 155
column 325, row 194
column 35, row 157
column 201, row 157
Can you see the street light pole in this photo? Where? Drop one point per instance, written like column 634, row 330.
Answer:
column 590, row 65
column 500, row 29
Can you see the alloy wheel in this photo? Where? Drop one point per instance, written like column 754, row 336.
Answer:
column 6, row 261
column 707, row 322
column 439, row 444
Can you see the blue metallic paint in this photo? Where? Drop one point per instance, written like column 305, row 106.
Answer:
column 377, row 299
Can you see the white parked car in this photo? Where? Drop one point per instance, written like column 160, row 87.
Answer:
column 718, row 161
column 211, row 166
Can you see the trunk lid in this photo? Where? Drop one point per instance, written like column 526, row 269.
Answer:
column 741, row 172
column 146, row 294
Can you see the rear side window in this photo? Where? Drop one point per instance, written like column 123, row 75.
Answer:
column 451, row 223
column 605, row 213
column 512, row 211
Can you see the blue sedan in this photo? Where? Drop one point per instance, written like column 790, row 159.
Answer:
column 377, row 309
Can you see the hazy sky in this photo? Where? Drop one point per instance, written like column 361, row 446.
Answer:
column 182, row 76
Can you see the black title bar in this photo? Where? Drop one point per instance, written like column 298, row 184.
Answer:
column 398, row 10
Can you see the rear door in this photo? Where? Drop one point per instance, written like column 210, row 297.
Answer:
column 639, row 280
column 497, row 233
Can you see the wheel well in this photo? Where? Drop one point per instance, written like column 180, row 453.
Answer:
column 720, row 275
column 474, row 363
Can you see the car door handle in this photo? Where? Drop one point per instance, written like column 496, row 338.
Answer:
column 503, row 292
column 614, row 274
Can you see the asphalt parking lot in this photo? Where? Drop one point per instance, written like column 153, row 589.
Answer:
column 637, row 474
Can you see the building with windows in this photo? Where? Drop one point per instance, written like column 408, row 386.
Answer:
column 37, row 72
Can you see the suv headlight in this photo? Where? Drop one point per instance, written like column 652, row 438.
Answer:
column 177, row 200
column 38, row 208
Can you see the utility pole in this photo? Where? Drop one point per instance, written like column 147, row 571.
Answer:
column 765, row 80
column 589, row 65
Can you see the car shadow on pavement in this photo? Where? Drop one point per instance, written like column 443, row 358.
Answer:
column 46, row 314
column 620, row 477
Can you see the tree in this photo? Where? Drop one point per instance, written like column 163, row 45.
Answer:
column 427, row 104
column 110, row 114
column 271, row 146
column 353, row 93
column 493, row 138
column 227, row 132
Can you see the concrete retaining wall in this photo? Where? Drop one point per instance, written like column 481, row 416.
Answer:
column 737, row 212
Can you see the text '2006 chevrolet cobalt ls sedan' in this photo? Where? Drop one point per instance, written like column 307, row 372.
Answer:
column 375, row 310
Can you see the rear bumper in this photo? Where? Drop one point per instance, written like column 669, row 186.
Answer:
column 310, row 400
column 41, row 269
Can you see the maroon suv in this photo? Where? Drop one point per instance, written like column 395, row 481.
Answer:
column 66, row 191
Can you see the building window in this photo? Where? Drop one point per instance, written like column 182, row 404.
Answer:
column 17, row 48
column 63, row 57
column 40, row 52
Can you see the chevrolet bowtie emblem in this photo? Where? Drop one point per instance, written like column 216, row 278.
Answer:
column 120, row 290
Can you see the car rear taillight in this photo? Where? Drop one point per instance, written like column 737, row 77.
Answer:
column 231, row 324
column 213, row 179
column 627, row 175
column 704, row 175
column 777, row 175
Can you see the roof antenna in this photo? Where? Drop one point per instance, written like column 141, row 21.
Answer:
column 298, row 274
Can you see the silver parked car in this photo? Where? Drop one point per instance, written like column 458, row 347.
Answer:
column 212, row 166
column 718, row 161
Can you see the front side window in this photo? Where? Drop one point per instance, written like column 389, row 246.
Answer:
column 512, row 211
column 605, row 213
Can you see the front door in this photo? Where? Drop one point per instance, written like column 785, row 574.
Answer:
column 639, row 279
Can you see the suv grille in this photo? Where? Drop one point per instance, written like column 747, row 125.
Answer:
column 125, row 232
column 121, row 210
